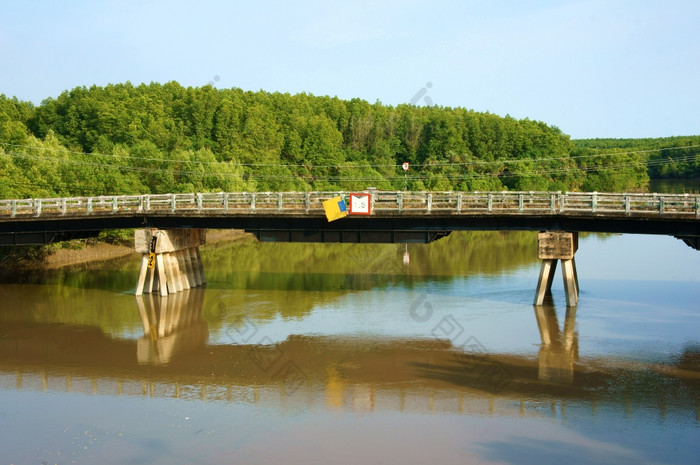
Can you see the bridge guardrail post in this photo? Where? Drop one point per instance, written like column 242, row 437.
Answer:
column 199, row 202
column 252, row 202
column 13, row 212
column 520, row 202
column 594, row 202
column 628, row 205
column 307, row 201
column 697, row 207
column 459, row 203
column 661, row 205
column 173, row 203
column 489, row 198
column 37, row 206
column 115, row 204
column 429, row 201
column 279, row 201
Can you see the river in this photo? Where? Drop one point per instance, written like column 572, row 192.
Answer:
column 336, row 353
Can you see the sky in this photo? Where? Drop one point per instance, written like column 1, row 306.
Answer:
column 593, row 68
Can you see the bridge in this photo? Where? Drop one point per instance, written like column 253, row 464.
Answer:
column 395, row 217
column 389, row 217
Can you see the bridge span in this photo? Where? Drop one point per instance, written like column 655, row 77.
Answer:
column 395, row 217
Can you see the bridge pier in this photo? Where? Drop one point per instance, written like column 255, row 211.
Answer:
column 553, row 246
column 171, row 261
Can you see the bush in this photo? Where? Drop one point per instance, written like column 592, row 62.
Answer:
column 117, row 237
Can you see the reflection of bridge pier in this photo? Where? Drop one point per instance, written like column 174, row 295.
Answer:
column 171, row 325
column 559, row 348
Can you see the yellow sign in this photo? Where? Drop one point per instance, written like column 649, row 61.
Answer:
column 151, row 260
column 335, row 208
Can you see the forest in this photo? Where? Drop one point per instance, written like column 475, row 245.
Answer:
column 666, row 157
column 164, row 138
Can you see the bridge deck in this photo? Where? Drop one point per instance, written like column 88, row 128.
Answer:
column 383, row 204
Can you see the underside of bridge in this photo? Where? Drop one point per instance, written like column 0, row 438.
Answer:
column 349, row 237
column 370, row 229
column 691, row 241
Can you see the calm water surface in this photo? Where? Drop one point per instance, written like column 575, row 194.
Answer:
column 297, row 353
column 675, row 186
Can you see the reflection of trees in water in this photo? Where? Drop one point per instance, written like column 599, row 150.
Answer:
column 57, row 303
column 226, row 309
column 116, row 275
column 296, row 277
column 460, row 253
column 690, row 360
column 326, row 267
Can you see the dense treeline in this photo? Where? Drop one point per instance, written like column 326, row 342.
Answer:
column 667, row 157
column 158, row 138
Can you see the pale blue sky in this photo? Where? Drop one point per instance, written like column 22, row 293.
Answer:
column 594, row 68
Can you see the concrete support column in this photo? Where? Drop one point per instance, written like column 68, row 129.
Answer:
column 171, row 261
column 553, row 246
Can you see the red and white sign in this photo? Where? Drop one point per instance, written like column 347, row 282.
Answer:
column 405, row 166
column 360, row 204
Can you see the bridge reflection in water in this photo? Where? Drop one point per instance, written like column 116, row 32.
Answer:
column 173, row 359
column 559, row 349
column 171, row 325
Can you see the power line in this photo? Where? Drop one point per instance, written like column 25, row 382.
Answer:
column 340, row 178
column 351, row 165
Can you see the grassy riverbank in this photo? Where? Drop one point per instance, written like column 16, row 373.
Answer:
column 107, row 246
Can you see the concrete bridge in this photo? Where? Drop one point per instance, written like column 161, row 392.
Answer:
column 394, row 217
column 383, row 217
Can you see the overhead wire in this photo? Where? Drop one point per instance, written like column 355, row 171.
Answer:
column 351, row 165
column 336, row 166
column 248, row 175
column 340, row 178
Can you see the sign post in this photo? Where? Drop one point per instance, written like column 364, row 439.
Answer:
column 405, row 175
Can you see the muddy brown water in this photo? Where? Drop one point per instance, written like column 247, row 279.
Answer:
column 303, row 353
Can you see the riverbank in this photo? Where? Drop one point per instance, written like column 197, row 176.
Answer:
column 95, row 252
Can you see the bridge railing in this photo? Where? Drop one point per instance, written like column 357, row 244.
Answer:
column 629, row 204
column 383, row 203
